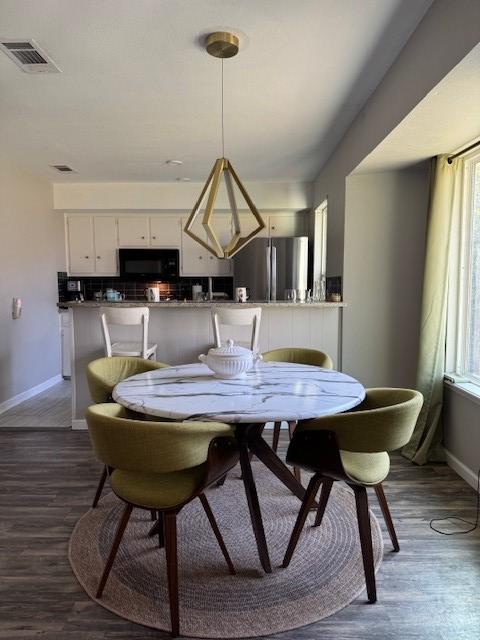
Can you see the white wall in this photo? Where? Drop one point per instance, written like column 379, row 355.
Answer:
column 31, row 252
column 461, row 426
column 448, row 31
column 385, row 223
column 174, row 196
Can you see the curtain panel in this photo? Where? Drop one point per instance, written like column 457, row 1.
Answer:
column 445, row 200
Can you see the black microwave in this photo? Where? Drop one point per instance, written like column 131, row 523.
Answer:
column 149, row 264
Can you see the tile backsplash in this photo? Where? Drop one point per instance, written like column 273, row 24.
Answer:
column 133, row 290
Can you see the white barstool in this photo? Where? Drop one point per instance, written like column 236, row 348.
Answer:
column 129, row 316
column 237, row 320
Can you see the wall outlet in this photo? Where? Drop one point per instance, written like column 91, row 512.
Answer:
column 16, row 308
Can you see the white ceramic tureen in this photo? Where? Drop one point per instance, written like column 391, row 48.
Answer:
column 230, row 360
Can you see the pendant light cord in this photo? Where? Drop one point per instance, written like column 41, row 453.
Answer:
column 223, row 129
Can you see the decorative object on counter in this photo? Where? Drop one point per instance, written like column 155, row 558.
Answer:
column 238, row 321
column 290, row 295
column 197, row 292
column 98, row 296
column 230, row 361
column 111, row 295
column 223, row 45
column 152, row 294
column 335, row 297
column 241, row 294
column 319, row 290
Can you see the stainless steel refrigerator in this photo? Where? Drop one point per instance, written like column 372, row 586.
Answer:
column 270, row 266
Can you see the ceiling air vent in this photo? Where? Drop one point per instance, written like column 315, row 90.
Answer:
column 28, row 55
column 63, row 168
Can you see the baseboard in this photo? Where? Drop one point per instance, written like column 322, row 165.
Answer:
column 79, row 425
column 463, row 471
column 29, row 393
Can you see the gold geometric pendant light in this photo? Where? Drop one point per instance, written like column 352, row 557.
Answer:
column 223, row 45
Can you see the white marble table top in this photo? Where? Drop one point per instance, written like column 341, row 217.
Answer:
column 270, row 391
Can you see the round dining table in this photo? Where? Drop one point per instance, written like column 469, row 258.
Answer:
column 270, row 391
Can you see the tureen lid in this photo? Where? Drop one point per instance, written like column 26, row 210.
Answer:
column 230, row 350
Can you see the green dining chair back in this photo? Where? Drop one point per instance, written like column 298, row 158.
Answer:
column 104, row 373
column 299, row 355
column 353, row 447
column 161, row 466
column 102, row 376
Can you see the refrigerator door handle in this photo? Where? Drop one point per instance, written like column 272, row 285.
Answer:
column 274, row 274
column 269, row 272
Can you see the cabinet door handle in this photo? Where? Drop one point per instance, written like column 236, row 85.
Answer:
column 143, row 237
column 99, row 257
column 154, row 237
column 86, row 257
column 211, row 257
column 200, row 257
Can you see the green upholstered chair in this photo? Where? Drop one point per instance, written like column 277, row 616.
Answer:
column 353, row 447
column 160, row 466
column 102, row 375
column 299, row 356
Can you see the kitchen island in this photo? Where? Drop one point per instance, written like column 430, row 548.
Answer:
column 183, row 330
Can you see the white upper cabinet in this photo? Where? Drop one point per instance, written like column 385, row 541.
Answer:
column 248, row 223
column 81, row 252
column 286, row 225
column 133, row 231
column 165, row 231
column 106, row 245
column 197, row 261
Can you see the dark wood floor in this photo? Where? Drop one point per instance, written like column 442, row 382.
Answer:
column 431, row 589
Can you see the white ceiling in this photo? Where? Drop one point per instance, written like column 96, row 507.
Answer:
column 447, row 119
column 137, row 88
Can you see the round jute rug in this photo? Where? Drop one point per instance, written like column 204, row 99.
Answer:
column 326, row 572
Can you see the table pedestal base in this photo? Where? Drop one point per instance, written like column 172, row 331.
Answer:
column 250, row 441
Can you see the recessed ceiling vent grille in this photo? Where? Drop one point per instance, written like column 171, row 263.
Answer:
column 28, row 56
column 63, row 168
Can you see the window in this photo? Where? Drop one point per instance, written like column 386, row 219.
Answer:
column 463, row 357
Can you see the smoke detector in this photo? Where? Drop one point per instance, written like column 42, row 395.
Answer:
column 28, row 55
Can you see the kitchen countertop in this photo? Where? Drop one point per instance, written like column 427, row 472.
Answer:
column 174, row 304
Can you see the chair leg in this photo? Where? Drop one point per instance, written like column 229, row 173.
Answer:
column 276, row 435
column 291, row 428
column 387, row 516
column 161, row 530
column 216, row 531
column 170, row 519
column 302, row 516
column 363, row 517
column 322, row 505
column 100, row 486
column 113, row 551
column 153, row 515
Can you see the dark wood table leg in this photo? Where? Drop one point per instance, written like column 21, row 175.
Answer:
column 270, row 459
column 252, row 499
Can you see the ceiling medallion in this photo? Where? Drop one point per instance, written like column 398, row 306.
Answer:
column 222, row 45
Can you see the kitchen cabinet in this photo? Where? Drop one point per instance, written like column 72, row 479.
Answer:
column 66, row 343
column 287, row 225
column 165, row 231
column 197, row 261
column 92, row 245
column 133, row 231
column 81, row 251
column 106, row 245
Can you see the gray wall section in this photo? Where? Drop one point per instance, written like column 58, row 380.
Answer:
column 461, row 425
column 385, row 222
column 448, row 31
column 31, row 251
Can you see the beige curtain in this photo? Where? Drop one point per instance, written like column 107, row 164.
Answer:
column 426, row 442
